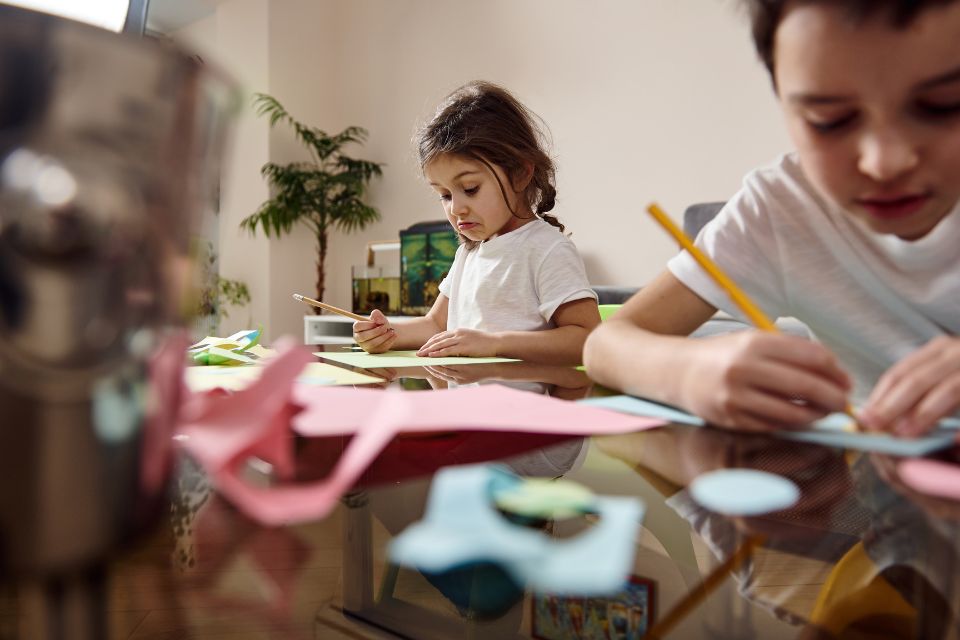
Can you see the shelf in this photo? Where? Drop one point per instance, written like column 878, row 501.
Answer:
column 329, row 329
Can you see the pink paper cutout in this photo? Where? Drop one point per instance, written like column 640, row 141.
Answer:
column 932, row 477
column 340, row 410
column 223, row 431
column 166, row 391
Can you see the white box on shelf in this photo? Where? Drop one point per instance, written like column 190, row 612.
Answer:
column 329, row 329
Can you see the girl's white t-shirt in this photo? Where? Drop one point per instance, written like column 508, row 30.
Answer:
column 870, row 298
column 516, row 281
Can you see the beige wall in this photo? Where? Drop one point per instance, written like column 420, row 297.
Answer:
column 645, row 99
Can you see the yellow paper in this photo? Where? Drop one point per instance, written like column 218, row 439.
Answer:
column 235, row 378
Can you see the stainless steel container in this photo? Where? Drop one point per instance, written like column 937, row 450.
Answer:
column 109, row 146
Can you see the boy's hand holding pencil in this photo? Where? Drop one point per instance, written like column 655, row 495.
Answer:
column 758, row 379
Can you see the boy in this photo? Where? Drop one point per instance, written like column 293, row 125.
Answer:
column 856, row 233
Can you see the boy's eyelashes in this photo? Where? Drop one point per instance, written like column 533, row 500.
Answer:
column 938, row 109
column 831, row 125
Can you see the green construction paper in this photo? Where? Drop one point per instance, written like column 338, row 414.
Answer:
column 397, row 359
column 544, row 498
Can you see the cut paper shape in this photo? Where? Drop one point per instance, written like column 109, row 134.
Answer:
column 232, row 378
column 223, row 431
column 641, row 407
column 743, row 492
column 932, row 477
column 830, row 431
column 337, row 410
column 226, row 351
column 398, row 359
column 461, row 527
column 544, row 498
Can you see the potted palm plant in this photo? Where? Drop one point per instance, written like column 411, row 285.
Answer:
column 323, row 194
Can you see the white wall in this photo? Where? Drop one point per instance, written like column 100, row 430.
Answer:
column 645, row 99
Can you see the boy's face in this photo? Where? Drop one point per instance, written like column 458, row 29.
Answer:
column 471, row 197
column 874, row 111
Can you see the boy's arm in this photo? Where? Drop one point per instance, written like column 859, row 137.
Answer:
column 748, row 380
column 639, row 350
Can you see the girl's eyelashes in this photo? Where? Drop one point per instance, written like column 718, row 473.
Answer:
column 471, row 190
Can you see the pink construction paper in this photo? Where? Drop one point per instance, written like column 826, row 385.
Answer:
column 932, row 477
column 339, row 410
column 165, row 371
column 223, row 431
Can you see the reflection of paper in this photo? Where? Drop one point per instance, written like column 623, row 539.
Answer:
column 337, row 411
column 932, row 477
column 829, row 431
column 397, row 359
column 235, row 378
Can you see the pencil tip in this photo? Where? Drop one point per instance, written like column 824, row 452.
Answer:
column 298, row 297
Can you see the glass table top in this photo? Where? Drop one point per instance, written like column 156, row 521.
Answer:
column 858, row 555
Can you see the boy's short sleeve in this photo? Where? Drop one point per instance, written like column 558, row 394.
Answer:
column 561, row 278
column 741, row 240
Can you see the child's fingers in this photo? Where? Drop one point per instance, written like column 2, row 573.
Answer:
column 365, row 335
column 791, row 382
column 365, row 325
column 808, row 355
column 942, row 401
column 432, row 343
column 917, row 391
column 377, row 317
column 441, row 348
column 752, row 409
column 378, row 343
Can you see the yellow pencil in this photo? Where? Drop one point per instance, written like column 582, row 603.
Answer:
column 696, row 595
column 327, row 307
column 751, row 310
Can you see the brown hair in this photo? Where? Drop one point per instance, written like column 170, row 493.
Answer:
column 765, row 17
column 483, row 121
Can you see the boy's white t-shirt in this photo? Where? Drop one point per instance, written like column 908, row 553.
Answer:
column 870, row 298
column 516, row 281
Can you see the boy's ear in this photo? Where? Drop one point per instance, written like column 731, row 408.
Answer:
column 522, row 177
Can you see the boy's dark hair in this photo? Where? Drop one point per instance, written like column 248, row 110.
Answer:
column 481, row 120
column 765, row 16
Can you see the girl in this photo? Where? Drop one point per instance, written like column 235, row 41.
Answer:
column 517, row 287
column 856, row 233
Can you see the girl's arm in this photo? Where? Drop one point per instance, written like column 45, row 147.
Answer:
column 561, row 345
column 378, row 334
column 748, row 380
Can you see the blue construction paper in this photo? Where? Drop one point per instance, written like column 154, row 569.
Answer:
column 829, row 431
column 461, row 527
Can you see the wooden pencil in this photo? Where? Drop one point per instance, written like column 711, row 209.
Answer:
column 328, row 307
column 739, row 297
column 716, row 577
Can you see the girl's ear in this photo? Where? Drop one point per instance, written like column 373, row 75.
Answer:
column 522, row 177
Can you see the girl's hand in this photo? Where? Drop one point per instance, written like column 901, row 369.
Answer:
column 374, row 335
column 914, row 394
column 460, row 342
column 756, row 381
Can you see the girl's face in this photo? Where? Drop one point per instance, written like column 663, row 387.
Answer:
column 874, row 111
column 472, row 199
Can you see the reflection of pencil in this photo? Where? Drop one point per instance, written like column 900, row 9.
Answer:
column 739, row 297
column 327, row 307
column 683, row 608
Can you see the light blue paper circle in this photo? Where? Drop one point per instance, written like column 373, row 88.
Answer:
column 743, row 492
